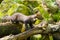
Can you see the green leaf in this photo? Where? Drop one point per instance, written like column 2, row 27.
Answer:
column 50, row 37
column 36, row 37
column 12, row 9
column 1, row 15
column 38, row 21
column 23, row 9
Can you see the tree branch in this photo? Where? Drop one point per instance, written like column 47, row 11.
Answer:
column 50, row 28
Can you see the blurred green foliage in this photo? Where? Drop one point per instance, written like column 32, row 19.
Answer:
column 51, row 4
column 8, row 7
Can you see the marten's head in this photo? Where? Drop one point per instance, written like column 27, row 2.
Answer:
column 39, row 16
